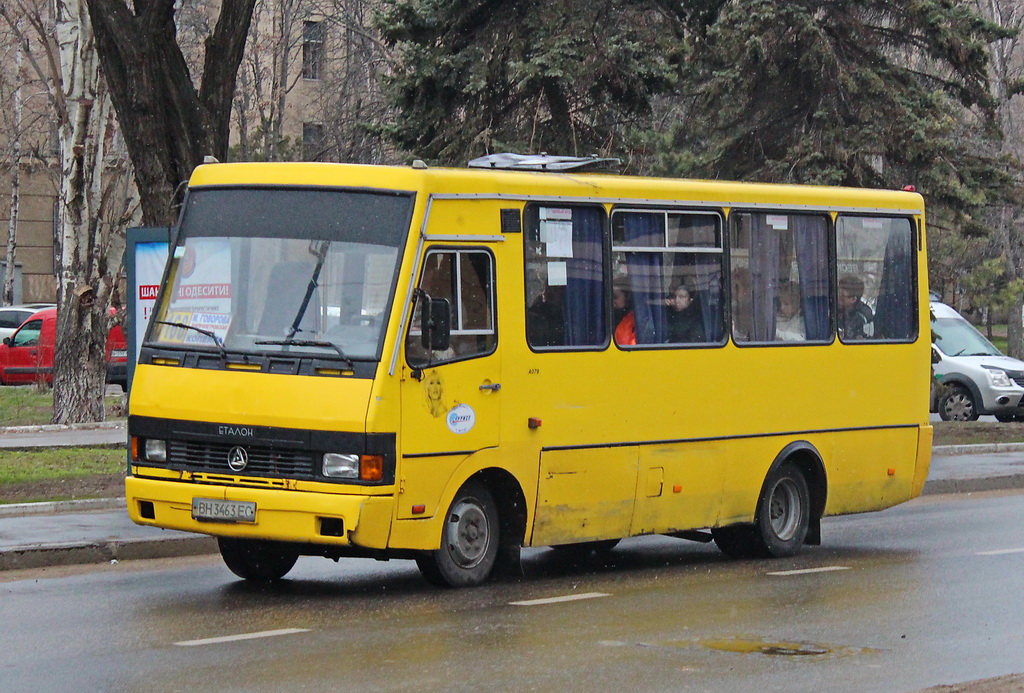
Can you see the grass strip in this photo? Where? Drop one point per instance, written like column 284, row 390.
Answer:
column 49, row 464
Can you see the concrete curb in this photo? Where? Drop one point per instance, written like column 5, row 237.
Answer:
column 105, row 552
column 952, row 450
column 68, row 506
column 992, row 483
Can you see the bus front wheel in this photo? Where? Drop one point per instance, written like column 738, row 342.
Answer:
column 781, row 521
column 469, row 541
column 256, row 560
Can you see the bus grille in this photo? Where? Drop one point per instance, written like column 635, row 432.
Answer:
column 211, row 457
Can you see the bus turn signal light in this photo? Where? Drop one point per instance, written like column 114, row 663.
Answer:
column 371, row 467
column 533, row 422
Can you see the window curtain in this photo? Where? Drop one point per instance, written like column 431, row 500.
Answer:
column 894, row 310
column 645, row 277
column 764, row 263
column 708, row 285
column 811, row 234
column 584, row 292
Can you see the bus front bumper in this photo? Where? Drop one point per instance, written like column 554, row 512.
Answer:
column 280, row 515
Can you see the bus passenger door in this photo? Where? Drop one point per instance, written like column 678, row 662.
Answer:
column 451, row 396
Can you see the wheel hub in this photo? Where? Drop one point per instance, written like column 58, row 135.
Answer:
column 468, row 534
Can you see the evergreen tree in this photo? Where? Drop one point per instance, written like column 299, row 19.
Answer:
column 564, row 76
column 874, row 93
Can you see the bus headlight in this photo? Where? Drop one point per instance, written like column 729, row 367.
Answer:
column 155, row 450
column 362, row 467
column 340, row 466
column 999, row 378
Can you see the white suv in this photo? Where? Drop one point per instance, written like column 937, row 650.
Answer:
column 978, row 379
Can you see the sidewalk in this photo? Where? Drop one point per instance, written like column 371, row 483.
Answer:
column 36, row 535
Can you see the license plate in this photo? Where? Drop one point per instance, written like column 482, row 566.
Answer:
column 213, row 510
column 118, row 353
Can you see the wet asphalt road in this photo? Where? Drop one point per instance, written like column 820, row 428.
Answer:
column 919, row 595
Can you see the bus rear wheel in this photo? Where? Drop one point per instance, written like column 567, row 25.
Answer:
column 469, row 541
column 781, row 522
column 257, row 560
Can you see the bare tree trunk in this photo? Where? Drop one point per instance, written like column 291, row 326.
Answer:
column 14, row 209
column 83, row 292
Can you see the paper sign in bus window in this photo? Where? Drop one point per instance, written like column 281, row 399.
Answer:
column 557, row 275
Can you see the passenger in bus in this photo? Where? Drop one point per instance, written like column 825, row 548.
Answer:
column 623, row 317
column 742, row 305
column 685, row 324
column 545, row 322
column 789, row 322
column 855, row 318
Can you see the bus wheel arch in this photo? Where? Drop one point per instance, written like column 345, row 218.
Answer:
column 789, row 508
column 481, row 533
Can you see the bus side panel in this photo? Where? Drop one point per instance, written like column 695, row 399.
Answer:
column 871, row 470
column 424, row 480
column 585, row 495
column 680, row 486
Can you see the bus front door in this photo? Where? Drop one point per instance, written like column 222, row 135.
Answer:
column 451, row 397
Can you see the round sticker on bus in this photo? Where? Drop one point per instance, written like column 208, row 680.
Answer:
column 461, row 418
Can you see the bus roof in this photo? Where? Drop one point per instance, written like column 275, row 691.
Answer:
column 567, row 187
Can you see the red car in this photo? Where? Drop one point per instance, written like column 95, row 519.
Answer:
column 27, row 355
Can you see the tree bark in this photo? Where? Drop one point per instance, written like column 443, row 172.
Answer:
column 14, row 208
column 82, row 289
column 168, row 125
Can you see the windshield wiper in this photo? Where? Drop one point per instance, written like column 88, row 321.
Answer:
column 208, row 333
column 307, row 343
column 321, row 256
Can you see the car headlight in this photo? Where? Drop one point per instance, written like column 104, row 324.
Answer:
column 340, row 466
column 999, row 378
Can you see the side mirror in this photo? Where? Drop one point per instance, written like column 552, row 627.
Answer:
column 436, row 324
column 936, row 357
column 7, row 341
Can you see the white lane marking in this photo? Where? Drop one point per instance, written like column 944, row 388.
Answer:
column 241, row 636
column 826, row 569
column 1000, row 552
column 556, row 600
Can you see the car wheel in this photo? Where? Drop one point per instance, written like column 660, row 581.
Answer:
column 256, row 560
column 469, row 541
column 957, row 404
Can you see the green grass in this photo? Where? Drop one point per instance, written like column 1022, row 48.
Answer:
column 29, row 405
column 54, row 464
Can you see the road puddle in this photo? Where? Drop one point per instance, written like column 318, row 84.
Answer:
column 757, row 646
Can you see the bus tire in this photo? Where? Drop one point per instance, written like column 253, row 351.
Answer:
column 781, row 522
column 257, row 560
column 735, row 541
column 469, row 541
column 583, row 549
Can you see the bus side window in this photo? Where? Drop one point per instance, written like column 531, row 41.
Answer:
column 876, row 260
column 780, row 277
column 466, row 279
column 565, row 283
column 669, row 263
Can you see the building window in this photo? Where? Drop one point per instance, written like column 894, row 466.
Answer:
column 312, row 141
column 312, row 49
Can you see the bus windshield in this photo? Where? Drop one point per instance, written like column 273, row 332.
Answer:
column 305, row 272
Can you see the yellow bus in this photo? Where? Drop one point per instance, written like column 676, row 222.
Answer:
column 447, row 365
